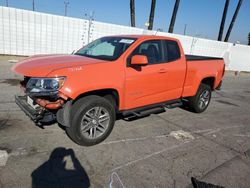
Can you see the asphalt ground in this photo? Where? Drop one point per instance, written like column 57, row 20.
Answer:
column 161, row 150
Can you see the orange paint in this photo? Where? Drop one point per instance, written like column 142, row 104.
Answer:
column 136, row 86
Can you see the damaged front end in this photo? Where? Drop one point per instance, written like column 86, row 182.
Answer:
column 42, row 98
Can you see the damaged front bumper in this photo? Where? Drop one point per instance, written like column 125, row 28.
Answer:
column 39, row 115
column 42, row 107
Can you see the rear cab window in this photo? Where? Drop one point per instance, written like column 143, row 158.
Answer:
column 157, row 51
column 172, row 50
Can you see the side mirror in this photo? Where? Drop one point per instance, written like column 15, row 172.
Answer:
column 139, row 60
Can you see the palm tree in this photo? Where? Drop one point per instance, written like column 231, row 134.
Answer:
column 171, row 26
column 132, row 13
column 223, row 20
column 233, row 20
column 249, row 39
column 151, row 16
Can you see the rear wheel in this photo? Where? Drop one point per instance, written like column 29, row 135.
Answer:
column 201, row 100
column 92, row 120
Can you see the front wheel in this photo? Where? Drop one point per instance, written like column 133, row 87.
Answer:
column 92, row 120
column 201, row 100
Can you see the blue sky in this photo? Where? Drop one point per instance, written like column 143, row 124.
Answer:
column 202, row 17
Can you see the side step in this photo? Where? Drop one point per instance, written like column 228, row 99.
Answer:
column 174, row 105
column 153, row 109
column 149, row 111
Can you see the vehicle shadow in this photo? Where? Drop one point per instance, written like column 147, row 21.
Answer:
column 62, row 169
column 187, row 108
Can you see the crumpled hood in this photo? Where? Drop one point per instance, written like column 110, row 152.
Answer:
column 42, row 65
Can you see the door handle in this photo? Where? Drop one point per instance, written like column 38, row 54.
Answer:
column 162, row 71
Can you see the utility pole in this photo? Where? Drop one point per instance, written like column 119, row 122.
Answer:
column 66, row 3
column 171, row 26
column 132, row 13
column 33, row 5
column 185, row 29
column 233, row 21
column 7, row 3
column 151, row 16
column 223, row 20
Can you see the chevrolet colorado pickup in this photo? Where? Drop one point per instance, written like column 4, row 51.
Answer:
column 127, row 75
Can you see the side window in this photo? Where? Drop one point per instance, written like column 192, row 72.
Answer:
column 172, row 51
column 152, row 49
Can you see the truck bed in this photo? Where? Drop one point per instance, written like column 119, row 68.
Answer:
column 199, row 58
column 200, row 67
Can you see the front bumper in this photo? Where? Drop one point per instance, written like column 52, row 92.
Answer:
column 40, row 116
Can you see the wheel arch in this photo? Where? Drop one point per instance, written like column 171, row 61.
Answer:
column 210, row 81
column 107, row 93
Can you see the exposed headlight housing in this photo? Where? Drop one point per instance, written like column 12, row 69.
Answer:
column 44, row 86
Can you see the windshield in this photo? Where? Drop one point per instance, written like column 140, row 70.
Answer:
column 106, row 48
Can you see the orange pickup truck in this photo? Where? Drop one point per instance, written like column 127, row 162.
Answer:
column 127, row 75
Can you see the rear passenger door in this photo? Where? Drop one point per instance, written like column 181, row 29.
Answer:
column 175, row 66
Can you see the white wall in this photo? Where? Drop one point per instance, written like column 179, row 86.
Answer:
column 239, row 58
column 25, row 32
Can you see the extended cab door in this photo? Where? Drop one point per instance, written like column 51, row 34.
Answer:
column 176, row 66
column 161, row 80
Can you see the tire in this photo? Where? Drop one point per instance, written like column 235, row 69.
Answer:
column 92, row 120
column 201, row 100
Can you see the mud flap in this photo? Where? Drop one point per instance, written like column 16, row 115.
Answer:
column 219, row 86
column 63, row 114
